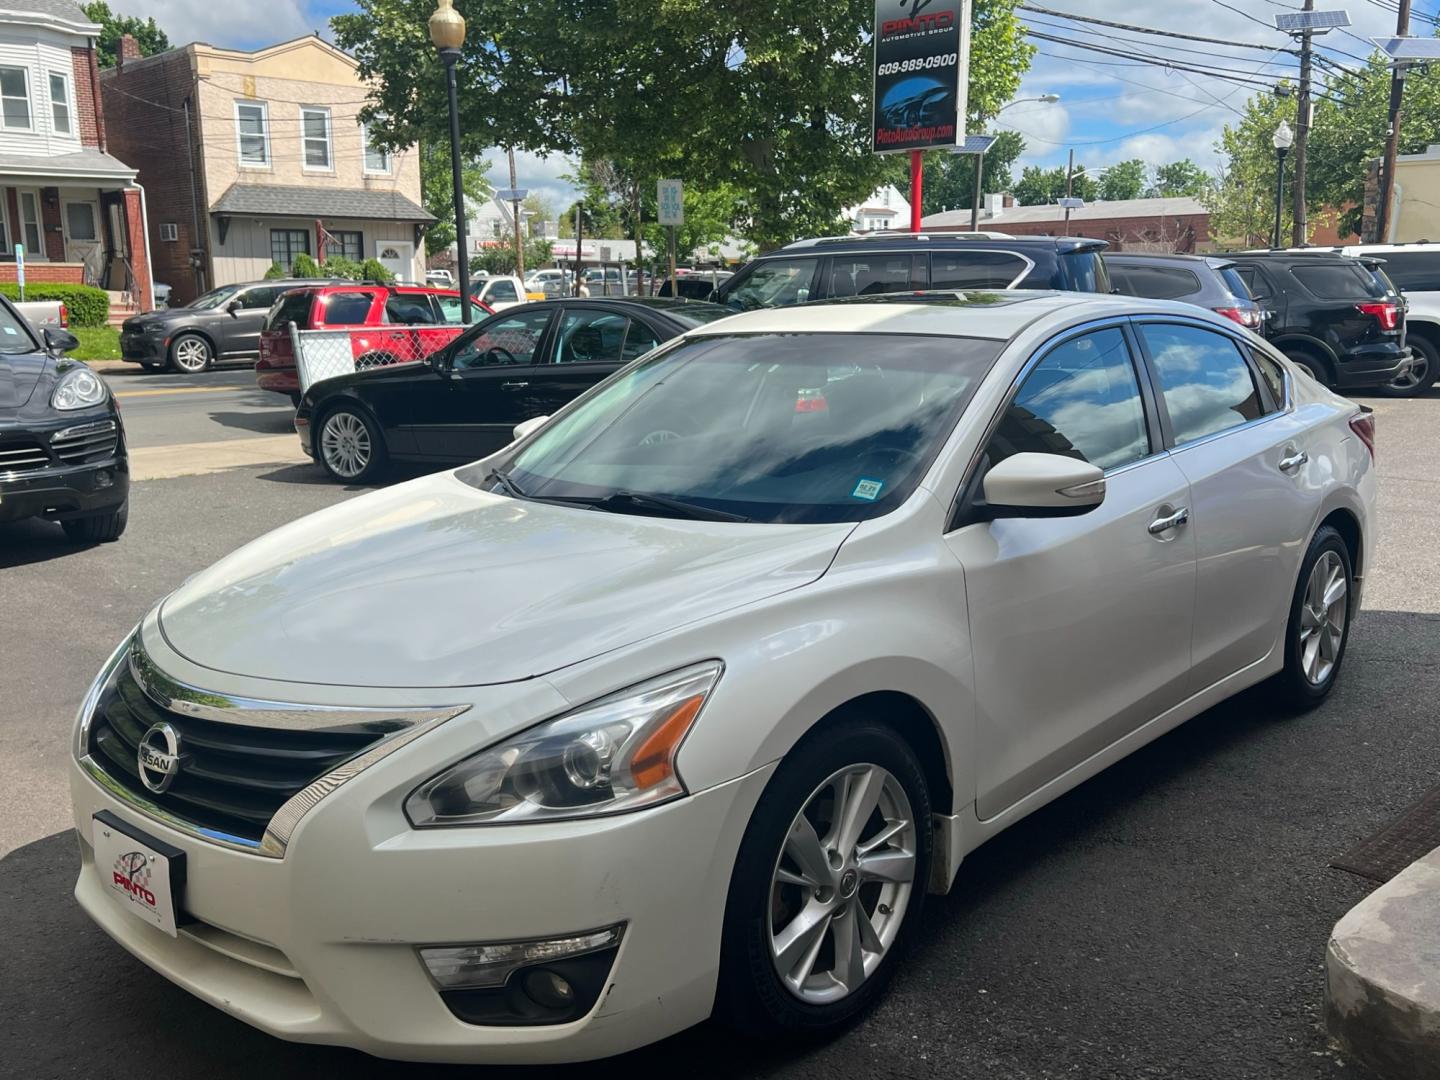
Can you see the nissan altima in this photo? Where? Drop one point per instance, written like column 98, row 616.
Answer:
column 679, row 705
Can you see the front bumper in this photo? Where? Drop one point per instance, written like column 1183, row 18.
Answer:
column 319, row 946
column 141, row 348
column 60, row 493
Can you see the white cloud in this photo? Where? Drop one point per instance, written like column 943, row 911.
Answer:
column 544, row 176
column 249, row 24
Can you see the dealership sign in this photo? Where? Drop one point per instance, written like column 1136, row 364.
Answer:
column 922, row 64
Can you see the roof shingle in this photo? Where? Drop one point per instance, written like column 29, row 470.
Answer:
column 274, row 200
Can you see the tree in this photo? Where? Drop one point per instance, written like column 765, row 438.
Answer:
column 501, row 259
column 950, row 178
column 147, row 35
column 437, row 190
column 1181, row 177
column 1242, row 204
column 1038, row 186
column 1123, row 180
column 772, row 100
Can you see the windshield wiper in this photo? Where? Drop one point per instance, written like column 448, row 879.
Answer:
column 510, row 487
column 621, row 499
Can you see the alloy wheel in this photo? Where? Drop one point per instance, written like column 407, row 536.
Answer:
column 1416, row 375
column 842, row 883
column 345, row 443
column 1322, row 618
column 191, row 355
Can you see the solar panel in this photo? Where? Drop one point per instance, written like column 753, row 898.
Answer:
column 1073, row 204
column 1311, row 20
column 1410, row 48
column 975, row 144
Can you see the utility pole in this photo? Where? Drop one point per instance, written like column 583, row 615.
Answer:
column 1392, row 137
column 1302, row 135
column 515, row 223
column 1069, row 186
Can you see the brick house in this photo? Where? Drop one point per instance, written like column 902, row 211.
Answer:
column 1179, row 224
column 75, row 209
column 251, row 158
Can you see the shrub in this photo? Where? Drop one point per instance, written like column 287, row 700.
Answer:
column 306, row 267
column 275, row 271
column 374, row 270
column 87, row 306
column 340, row 267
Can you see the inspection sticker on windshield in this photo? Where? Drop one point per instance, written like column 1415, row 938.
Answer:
column 867, row 489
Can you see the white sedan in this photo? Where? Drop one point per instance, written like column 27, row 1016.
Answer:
column 680, row 705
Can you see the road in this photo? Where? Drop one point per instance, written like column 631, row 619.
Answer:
column 1166, row 919
column 166, row 410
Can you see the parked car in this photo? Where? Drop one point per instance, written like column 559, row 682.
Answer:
column 464, row 402
column 220, row 327
column 551, row 281
column 1208, row 281
column 42, row 314
column 1330, row 314
column 696, row 286
column 1415, row 271
column 394, row 324
column 832, row 267
column 500, row 291
column 442, row 278
column 62, row 445
column 683, row 702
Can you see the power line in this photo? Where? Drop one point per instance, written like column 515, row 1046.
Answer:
column 1163, row 33
column 1144, row 44
column 1143, row 60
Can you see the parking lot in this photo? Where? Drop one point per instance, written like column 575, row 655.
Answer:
column 1166, row 919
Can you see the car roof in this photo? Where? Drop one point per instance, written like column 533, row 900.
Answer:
column 662, row 305
column 881, row 242
column 997, row 315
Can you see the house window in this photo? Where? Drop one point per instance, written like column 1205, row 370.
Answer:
column 30, row 223
column 14, row 97
column 315, row 133
column 376, row 160
column 169, row 231
column 252, row 132
column 60, row 103
column 4, row 225
column 285, row 244
column 347, row 244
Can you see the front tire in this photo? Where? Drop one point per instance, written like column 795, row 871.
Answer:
column 828, row 884
column 349, row 445
column 191, row 354
column 1423, row 370
column 1312, row 366
column 1319, row 625
column 100, row 528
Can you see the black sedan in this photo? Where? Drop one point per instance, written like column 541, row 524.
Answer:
column 463, row 402
column 62, row 446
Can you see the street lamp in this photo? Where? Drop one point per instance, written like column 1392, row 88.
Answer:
column 447, row 31
column 1281, row 140
column 1044, row 99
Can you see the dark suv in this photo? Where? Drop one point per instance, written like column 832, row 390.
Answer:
column 1208, row 281
column 221, row 326
column 828, row 268
column 1336, row 316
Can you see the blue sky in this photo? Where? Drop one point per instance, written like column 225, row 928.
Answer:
column 1110, row 108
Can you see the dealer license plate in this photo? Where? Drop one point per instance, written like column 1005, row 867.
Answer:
column 143, row 874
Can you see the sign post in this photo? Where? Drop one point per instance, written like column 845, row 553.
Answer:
column 670, row 194
column 20, row 269
column 922, row 65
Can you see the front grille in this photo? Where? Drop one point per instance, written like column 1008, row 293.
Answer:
column 25, row 452
column 88, row 442
column 232, row 777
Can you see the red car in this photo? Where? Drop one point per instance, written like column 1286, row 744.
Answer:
column 388, row 324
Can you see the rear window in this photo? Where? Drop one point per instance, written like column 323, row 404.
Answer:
column 1413, row 271
column 1339, row 281
column 346, row 308
column 976, row 269
column 1154, row 282
column 1084, row 271
column 1235, row 282
column 293, row 307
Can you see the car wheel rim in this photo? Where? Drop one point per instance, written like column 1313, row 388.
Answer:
column 1322, row 618
column 1419, row 368
column 190, row 355
column 345, row 442
column 841, row 884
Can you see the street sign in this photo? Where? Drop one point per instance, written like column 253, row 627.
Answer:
column 921, row 74
column 670, row 194
column 20, row 269
column 512, row 194
column 1409, row 48
column 1317, row 22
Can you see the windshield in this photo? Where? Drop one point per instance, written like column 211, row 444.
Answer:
column 15, row 336
column 214, row 298
column 772, row 283
column 768, row 427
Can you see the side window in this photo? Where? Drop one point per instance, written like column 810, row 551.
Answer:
column 1154, row 282
column 774, row 283
column 639, row 340
column 1082, row 400
column 1206, row 382
column 1254, row 281
column 591, row 337
column 503, row 291
column 258, row 298
column 975, row 269
column 1273, row 374
column 408, row 311
column 449, row 309
column 346, row 309
column 868, row 275
column 505, row 340
column 1339, row 281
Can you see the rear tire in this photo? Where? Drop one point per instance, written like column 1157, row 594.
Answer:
column 191, row 354
column 1318, row 628
column 774, row 896
column 1423, row 371
column 349, row 445
column 99, row 529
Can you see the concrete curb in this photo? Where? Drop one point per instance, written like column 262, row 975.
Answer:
column 110, row 367
column 1382, row 976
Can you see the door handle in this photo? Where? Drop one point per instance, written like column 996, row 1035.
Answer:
column 1170, row 521
column 1294, row 461
column 513, row 385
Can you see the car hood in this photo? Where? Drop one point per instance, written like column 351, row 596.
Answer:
column 158, row 318
column 434, row 583
column 19, row 375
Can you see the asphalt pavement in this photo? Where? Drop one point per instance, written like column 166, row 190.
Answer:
column 167, row 409
column 1166, row 919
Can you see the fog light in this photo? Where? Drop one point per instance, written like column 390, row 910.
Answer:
column 103, row 479
column 549, row 990
column 471, row 967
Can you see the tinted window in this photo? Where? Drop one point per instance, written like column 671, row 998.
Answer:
column 1339, row 281
column 1207, row 384
column 975, row 269
column 1235, row 282
column 774, row 283
column 868, row 275
column 509, row 339
column 503, row 291
column 1254, row 282
column 408, row 310
column 15, row 336
column 345, row 309
column 590, row 337
column 1273, row 374
column 259, row 298
column 1154, row 282
column 449, row 308
column 639, row 340
column 293, row 308
column 1082, row 400
column 1414, row 271
column 1085, row 271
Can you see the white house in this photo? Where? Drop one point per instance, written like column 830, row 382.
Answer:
column 885, row 208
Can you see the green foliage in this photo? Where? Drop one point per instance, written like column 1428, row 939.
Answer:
column 770, row 100
column 1181, row 177
column 373, row 270
column 437, row 188
column 147, row 35
column 1038, row 186
column 1242, row 205
column 87, row 306
column 337, row 266
column 276, row 271
column 501, row 260
column 1123, row 180
column 305, row 267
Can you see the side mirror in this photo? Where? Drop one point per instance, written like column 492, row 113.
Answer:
column 234, row 307
column 60, row 341
column 1042, row 485
column 525, row 427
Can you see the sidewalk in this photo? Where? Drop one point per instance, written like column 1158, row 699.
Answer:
column 1382, row 976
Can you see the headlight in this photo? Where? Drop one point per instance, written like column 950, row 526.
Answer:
column 614, row 754
column 79, row 389
column 154, row 328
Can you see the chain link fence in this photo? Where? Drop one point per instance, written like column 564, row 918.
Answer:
column 326, row 354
